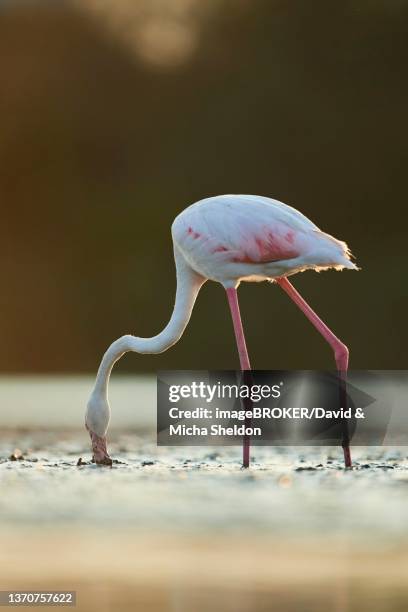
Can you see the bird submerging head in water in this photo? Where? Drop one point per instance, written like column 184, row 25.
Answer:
column 229, row 239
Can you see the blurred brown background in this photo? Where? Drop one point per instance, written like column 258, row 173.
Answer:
column 116, row 114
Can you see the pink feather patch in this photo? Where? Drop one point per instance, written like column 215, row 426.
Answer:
column 269, row 248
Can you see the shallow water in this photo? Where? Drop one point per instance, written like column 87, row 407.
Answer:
column 308, row 488
column 183, row 529
column 59, row 401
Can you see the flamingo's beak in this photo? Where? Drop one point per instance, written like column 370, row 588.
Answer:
column 100, row 452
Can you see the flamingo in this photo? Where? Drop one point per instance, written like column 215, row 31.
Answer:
column 229, row 239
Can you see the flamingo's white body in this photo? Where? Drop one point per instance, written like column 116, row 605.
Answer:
column 228, row 239
column 244, row 238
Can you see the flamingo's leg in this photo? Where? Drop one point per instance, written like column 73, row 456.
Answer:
column 341, row 352
column 243, row 354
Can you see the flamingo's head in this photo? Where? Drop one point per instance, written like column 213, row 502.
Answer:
column 96, row 422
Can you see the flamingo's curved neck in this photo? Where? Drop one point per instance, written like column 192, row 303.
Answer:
column 188, row 286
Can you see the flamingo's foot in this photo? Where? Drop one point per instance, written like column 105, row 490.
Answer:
column 100, row 452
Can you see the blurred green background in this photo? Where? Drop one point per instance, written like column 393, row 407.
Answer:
column 115, row 115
